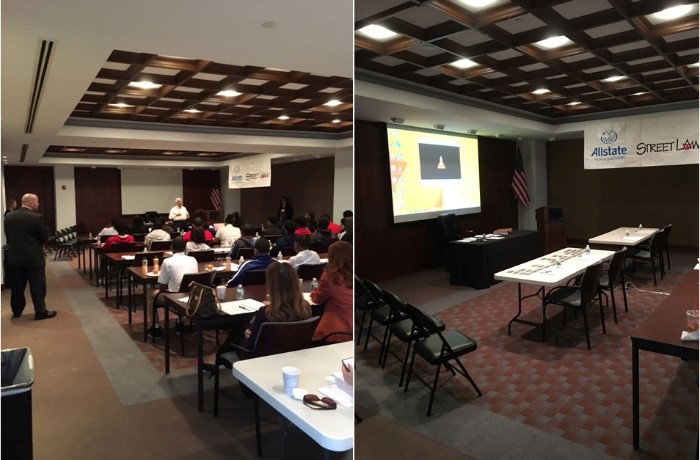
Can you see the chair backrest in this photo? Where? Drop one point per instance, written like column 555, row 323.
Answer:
column 288, row 251
column 247, row 253
column 139, row 256
column 656, row 243
column 310, row 271
column 667, row 231
column 205, row 278
column 272, row 238
column 448, row 224
column 362, row 296
column 278, row 337
column 397, row 306
column 617, row 263
column 319, row 246
column 423, row 324
column 161, row 245
column 252, row 277
column 150, row 216
column 139, row 236
column 202, row 256
column 375, row 292
column 103, row 238
column 123, row 247
column 589, row 283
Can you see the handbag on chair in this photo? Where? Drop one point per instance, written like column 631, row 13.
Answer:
column 202, row 301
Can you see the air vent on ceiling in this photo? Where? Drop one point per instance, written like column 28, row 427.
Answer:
column 41, row 69
column 23, row 154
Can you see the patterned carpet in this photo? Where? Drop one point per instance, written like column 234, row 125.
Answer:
column 583, row 396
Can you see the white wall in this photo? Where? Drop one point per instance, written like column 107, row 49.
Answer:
column 230, row 198
column 534, row 154
column 64, row 180
column 343, row 192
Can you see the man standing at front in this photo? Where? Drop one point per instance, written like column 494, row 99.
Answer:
column 26, row 234
column 178, row 214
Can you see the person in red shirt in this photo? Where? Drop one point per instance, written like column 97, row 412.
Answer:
column 335, row 292
column 197, row 222
column 121, row 237
column 332, row 226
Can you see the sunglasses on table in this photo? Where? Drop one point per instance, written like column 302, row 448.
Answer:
column 316, row 403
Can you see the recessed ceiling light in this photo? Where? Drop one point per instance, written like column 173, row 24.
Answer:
column 121, row 105
column 333, row 103
column 144, row 84
column 639, row 93
column 614, row 78
column 115, row 151
column 573, row 103
column 553, row 42
column 192, row 111
column 464, row 64
column 337, row 120
column 377, row 32
column 673, row 12
column 478, row 3
column 694, row 65
column 283, row 117
column 540, row 91
column 269, row 24
column 228, row 93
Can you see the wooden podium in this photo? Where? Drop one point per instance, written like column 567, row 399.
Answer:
column 551, row 224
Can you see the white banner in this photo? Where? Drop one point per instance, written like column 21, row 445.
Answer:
column 648, row 141
column 250, row 172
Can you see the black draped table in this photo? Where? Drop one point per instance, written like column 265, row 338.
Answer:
column 474, row 263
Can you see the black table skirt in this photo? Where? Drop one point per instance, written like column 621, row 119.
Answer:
column 473, row 264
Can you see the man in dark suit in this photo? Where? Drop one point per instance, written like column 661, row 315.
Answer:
column 26, row 234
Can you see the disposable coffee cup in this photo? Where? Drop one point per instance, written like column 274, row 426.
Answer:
column 221, row 292
column 693, row 317
column 290, row 377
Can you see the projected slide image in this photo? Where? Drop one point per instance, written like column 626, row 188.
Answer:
column 438, row 162
column 432, row 173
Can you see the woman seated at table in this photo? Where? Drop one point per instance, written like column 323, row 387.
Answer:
column 335, row 292
column 286, row 303
column 121, row 237
column 197, row 241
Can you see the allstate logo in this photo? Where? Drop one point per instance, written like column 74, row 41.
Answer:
column 608, row 137
column 236, row 169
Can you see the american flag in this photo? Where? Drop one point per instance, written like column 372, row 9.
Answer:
column 215, row 198
column 519, row 185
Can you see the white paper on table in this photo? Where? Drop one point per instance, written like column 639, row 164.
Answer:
column 646, row 230
column 466, row 240
column 128, row 257
column 690, row 335
column 495, row 237
column 235, row 306
column 697, row 267
column 151, row 274
column 307, row 297
column 219, row 268
column 324, row 261
column 338, row 390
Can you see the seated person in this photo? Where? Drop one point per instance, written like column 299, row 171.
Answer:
column 158, row 234
column 228, row 234
column 310, row 218
column 286, row 303
column 272, row 227
column 335, row 292
column 322, row 234
column 346, row 234
column 304, row 254
column 122, row 236
column 302, row 229
column 109, row 229
column 259, row 261
column 247, row 240
column 197, row 222
column 171, row 272
column 202, row 214
column 196, row 242
column 287, row 238
column 332, row 226
column 137, row 226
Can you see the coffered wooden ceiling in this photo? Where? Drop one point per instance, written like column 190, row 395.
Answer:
column 653, row 61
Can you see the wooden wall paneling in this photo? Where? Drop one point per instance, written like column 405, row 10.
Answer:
column 308, row 185
column 33, row 179
column 600, row 200
column 98, row 197
column 197, row 185
column 384, row 250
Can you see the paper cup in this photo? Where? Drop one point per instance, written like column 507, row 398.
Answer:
column 692, row 316
column 290, row 377
column 221, row 292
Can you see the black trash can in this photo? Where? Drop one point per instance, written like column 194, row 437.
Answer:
column 16, row 403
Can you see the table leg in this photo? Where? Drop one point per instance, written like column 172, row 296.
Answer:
column 516, row 318
column 256, row 410
column 145, row 312
column 200, row 365
column 166, row 337
column 635, row 395
column 91, row 256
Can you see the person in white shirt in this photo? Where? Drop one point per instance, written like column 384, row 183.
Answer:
column 171, row 272
column 227, row 234
column 304, row 254
column 178, row 214
column 158, row 234
column 109, row 230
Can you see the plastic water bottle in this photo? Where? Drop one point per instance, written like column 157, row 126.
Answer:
column 144, row 267
column 314, row 284
column 228, row 263
column 280, row 257
column 257, row 235
column 640, row 227
column 239, row 292
column 240, row 261
column 588, row 249
column 145, row 249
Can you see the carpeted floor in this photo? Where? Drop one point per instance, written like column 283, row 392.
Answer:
column 577, row 397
